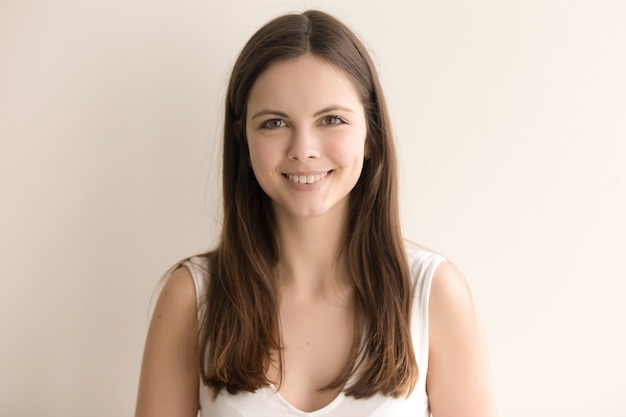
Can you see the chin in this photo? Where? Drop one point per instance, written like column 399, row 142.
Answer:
column 310, row 211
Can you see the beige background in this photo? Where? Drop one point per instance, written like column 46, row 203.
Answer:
column 511, row 121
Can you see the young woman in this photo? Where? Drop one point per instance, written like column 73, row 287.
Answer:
column 312, row 304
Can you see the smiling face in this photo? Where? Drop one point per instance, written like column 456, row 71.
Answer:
column 306, row 130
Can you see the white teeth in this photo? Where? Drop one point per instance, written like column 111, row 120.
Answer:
column 306, row 179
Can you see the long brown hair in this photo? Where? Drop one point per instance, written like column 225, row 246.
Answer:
column 240, row 326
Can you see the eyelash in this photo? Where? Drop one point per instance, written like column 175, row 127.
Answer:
column 267, row 124
column 325, row 121
column 341, row 121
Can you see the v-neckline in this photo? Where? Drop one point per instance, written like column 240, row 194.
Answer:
column 319, row 412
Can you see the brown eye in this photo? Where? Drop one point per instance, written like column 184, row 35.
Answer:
column 273, row 124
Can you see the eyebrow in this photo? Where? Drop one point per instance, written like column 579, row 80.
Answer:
column 324, row 110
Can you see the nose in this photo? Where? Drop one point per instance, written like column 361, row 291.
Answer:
column 303, row 145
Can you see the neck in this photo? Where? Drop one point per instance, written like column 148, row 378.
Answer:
column 311, row 257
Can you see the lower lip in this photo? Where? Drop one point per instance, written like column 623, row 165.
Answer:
column 308, row 187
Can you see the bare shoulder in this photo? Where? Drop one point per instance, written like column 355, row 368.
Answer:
column 451, row 301
column 459, row 376
column 175, row 308
column 169, row 373
column 178, row 293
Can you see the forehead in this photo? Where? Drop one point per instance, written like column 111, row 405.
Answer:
column 307, row 81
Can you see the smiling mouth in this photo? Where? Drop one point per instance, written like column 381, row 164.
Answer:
column 306, row 179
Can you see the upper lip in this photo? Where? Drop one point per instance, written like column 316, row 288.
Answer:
column 307, row 173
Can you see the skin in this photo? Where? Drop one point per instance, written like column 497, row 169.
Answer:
column 169, row 381
column 459, row 381
column 305, row 117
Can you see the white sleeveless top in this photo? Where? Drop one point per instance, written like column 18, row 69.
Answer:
column 267, row 402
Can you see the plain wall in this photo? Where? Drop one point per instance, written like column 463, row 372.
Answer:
column 510, row 119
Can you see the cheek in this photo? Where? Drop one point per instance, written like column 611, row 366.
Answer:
column 348, row 156
column 260, row 164
column 349, row 150
column 259, row 154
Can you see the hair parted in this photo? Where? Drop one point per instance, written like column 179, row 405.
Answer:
column 240, row 324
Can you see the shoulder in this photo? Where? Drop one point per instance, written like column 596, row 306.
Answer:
column 450, row 294
column 174, row 315
column 169, row 376
column 445, row 285
column 459, row 377
column 178, row 292
column 452, row 315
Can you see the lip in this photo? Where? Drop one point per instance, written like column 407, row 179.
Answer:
column 307, row 173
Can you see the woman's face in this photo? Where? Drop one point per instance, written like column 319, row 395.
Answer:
column 306, row 130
